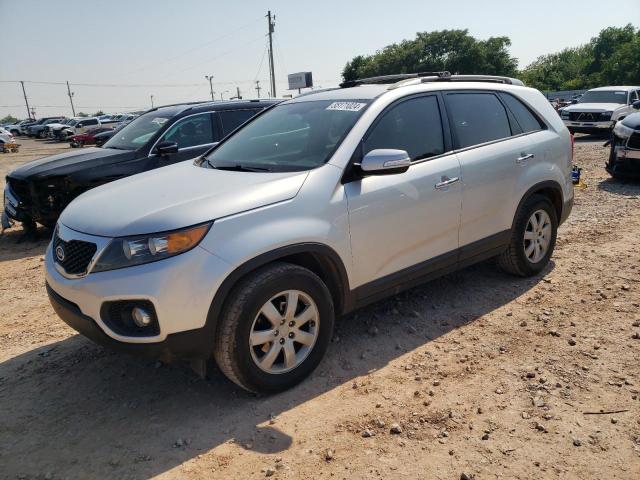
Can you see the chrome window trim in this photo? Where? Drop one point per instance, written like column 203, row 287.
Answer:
column 152, row 155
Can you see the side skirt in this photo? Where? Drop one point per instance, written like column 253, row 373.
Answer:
column 430, row 269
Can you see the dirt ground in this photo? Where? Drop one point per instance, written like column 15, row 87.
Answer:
column 484, row 376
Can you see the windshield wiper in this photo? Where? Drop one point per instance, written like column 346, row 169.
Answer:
column 238, row 168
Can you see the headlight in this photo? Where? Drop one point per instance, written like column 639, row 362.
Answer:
column 606, row 115
column 622, row 131
column 130, row 251
column 564, row 114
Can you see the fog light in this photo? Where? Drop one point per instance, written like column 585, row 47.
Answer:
column 141, row 317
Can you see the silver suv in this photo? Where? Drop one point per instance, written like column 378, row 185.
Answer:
column 317, row 206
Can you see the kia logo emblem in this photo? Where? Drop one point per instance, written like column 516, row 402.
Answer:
column 60, row 255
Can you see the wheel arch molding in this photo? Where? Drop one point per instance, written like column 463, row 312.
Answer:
column 321, row 259
column 549, row 188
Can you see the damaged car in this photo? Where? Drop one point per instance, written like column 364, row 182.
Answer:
column 38, row 191
column 624, row 154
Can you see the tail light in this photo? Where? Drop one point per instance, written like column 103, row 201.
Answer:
column 573, row 146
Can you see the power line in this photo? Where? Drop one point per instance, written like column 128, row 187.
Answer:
column 209, row 42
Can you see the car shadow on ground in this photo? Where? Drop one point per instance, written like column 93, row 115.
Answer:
column 63, row 402
column 66, row 401
column 620, row 187
column 14, row 245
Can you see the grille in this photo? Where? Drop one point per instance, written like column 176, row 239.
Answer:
column 587, row 116
column 20, row 189
column 77, row 255
column 634, row 141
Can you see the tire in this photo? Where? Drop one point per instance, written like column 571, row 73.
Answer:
column 517, row 259
column 242, row 315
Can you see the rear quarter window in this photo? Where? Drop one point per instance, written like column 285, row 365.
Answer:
column 526, row 119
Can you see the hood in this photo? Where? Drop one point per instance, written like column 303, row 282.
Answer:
column 173, row 197
column 70, row 162
column 632, row 121
column 592, row 107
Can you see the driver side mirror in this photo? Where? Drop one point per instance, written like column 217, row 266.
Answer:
column 166, row 148
column 79, row 125
column 385, row 161
column 636, row 104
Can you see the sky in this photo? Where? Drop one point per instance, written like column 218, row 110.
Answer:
column 117, row 53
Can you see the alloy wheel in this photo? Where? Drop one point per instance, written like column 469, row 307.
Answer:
column 284, row 332
column 537, row 236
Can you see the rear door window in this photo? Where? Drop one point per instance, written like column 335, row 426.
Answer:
column 477, row 118
column 232, row 119
column 525, row 118
column 413, row 125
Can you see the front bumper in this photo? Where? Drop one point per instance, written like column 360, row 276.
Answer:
column 193, row 344
column 181, row 289
column 589, row 127
column 624, row 162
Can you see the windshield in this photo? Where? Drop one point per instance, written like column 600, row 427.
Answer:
column 138, row 132
column 604, row 96
column 289, row 137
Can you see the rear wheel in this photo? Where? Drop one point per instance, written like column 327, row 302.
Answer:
column 533, row 238
column 275, row 328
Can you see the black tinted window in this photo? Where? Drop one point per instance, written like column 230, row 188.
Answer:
column 90, row 122
column 190, row 131
column 232, row 119
column 527, row 121
column 413, row 125
column 477, row 118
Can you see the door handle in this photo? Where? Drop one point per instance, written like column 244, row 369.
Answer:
column 524, row 157
column 445, row 182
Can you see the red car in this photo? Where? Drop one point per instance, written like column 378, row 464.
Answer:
column 87, row 138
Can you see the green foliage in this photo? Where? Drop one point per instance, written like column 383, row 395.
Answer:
column 8, row 119
column 98, row 113
column 611, row 58
column 82, row 114
column 452, row 50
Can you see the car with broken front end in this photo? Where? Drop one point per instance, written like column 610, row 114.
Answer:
column 37, row 192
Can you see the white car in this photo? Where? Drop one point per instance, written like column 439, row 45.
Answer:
column 316, row 207
column 5, row 135
column 599, row 109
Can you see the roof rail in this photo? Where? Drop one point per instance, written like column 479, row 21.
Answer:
column 392, row 78
column 473, row 78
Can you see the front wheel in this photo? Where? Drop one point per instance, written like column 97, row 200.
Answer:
column 533, row 238
column 275, row 328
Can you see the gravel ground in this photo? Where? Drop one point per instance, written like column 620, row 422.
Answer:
column 476, row 375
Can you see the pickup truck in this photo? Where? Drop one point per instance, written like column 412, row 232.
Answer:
column 599, row 109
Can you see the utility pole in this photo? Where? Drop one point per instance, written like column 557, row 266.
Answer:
column 222, row 93
column 70, row 93
column 238, row 96
column 25, row 100
column 210, row 77
column 272, row 24
column 151, row 101
column 258, row 88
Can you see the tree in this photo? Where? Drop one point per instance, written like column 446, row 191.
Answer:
column 611, row 58
column 82, row 114
column 9, row 119
column 98, row 113
column 452, row 50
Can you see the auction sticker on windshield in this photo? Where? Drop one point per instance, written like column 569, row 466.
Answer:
column 346, row 106
column 159, row 120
